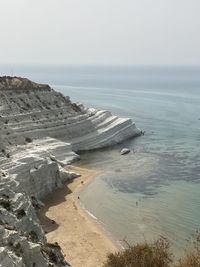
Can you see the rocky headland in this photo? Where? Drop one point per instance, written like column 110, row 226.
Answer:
column 41, row 131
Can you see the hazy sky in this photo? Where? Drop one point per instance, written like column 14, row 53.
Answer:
column 100, row 31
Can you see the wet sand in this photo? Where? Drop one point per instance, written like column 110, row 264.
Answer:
column 83, row 240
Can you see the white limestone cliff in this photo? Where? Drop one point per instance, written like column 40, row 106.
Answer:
column 40, row 132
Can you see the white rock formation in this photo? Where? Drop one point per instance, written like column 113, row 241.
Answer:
column 39, row 131
column 125, row 151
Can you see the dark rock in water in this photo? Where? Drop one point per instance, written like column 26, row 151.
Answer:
column 125, row 151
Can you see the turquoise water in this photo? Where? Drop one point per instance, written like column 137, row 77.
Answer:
column 163, row 173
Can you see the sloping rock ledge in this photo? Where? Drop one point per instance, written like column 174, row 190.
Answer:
column 40, row 131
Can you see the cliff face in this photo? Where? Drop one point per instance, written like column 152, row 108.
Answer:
column 36, row 111
column 39, row 131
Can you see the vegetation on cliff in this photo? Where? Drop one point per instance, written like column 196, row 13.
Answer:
column 154, row 254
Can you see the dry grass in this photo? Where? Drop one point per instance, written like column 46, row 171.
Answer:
column 192, row 259
column 155, row 254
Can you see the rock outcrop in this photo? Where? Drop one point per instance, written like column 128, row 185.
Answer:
column 125, row 151
column 40, row 132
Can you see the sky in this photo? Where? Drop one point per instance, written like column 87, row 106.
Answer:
column 136, row 32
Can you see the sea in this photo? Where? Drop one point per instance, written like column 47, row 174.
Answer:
column 155, row 189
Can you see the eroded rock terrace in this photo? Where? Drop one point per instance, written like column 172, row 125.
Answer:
column 40, row 131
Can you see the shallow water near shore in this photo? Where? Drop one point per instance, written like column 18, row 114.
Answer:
column 162, row 172
column 137, row 207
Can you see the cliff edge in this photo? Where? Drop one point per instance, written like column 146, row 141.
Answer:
column 40, row 132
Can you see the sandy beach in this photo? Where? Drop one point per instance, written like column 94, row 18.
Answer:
column 83, row 240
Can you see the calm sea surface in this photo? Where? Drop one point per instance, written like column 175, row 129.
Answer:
column 163, row 172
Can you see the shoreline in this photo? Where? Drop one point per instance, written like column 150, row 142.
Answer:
column 83, row 240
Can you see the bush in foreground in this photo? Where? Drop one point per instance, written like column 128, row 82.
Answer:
column 192, row 259
column 155, row 254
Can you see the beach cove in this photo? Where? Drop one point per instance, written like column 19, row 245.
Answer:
column 83, row 240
